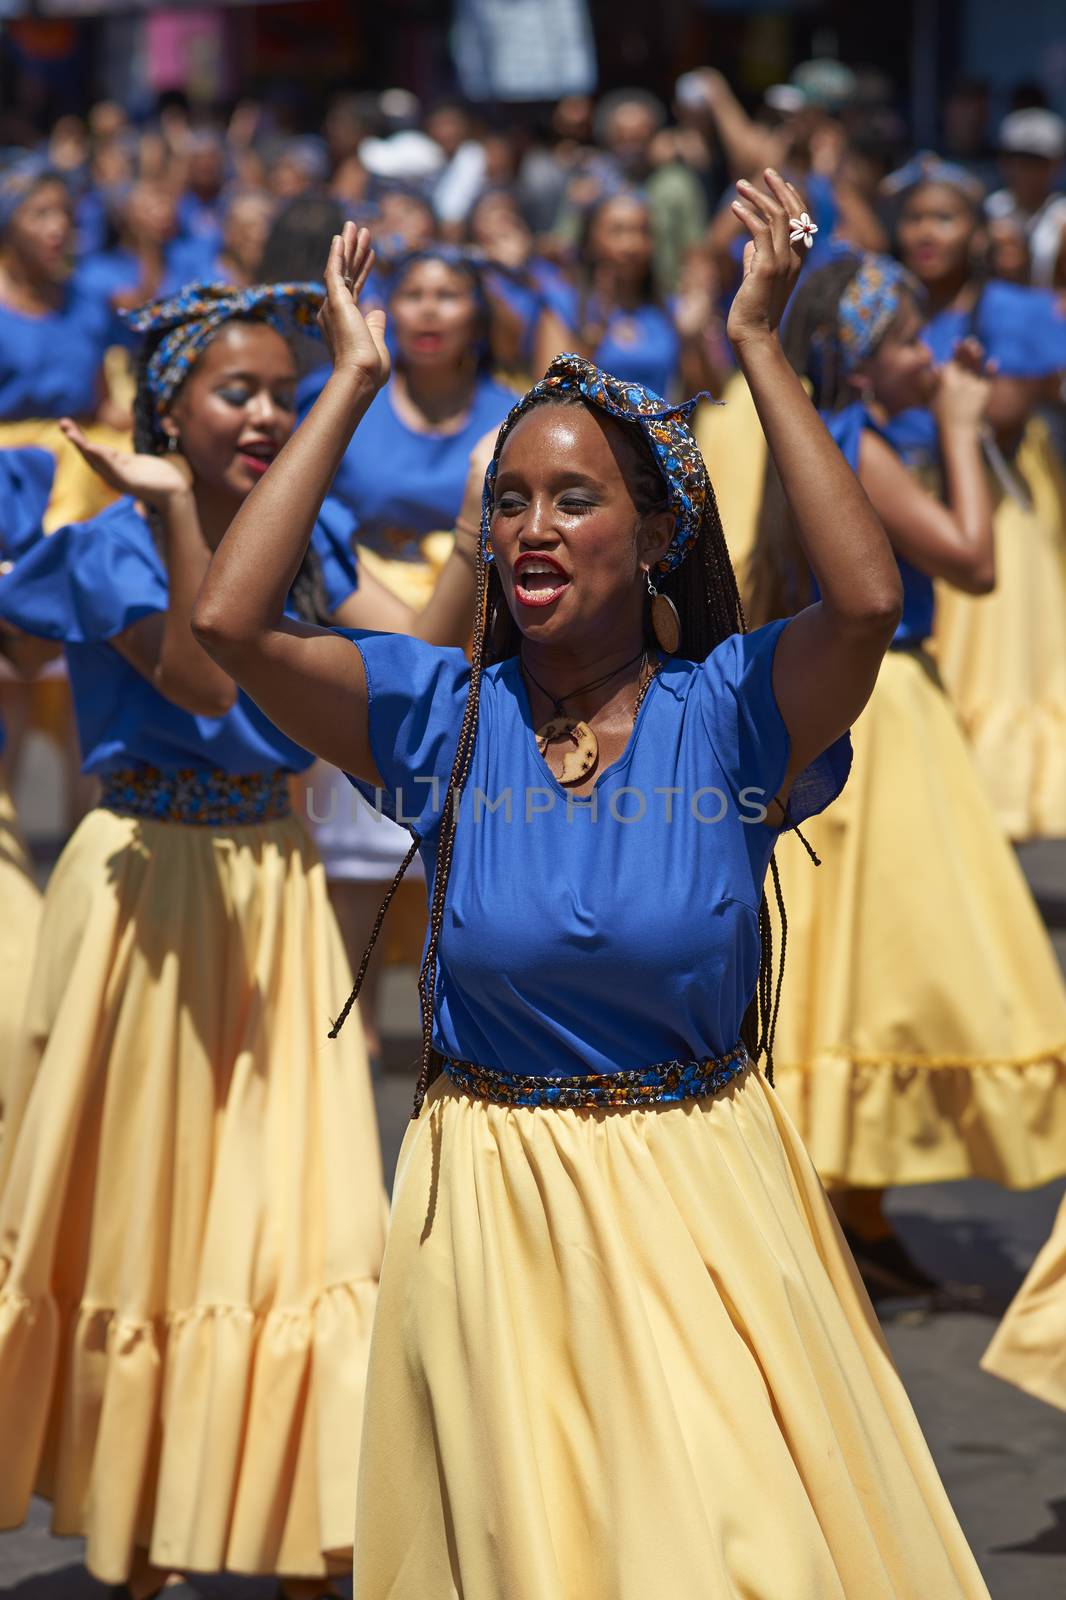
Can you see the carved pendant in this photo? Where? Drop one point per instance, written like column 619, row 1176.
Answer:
column 665, row 623
column 578, row 762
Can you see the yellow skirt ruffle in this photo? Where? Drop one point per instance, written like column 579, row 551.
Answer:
column 191, row 1213
column 1029, row 1347
column 411, row 581
column 20, row 911
column 922, row 1033
column 1003, row 655
column 624, row 1354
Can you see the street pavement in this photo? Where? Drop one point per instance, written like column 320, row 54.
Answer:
column 1002, row 1456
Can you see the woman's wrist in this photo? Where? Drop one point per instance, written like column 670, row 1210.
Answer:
column 756, row 346
column 467, row 539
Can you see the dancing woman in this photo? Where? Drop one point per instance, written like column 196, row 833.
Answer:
column 620, row 1350
column 923, row 1014
column 1003, row 655
column 191, row 1206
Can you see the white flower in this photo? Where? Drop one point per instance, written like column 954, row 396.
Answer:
column 802, row 228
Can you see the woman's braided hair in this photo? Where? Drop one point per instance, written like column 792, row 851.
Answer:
column 308, row 591
column 704, row 590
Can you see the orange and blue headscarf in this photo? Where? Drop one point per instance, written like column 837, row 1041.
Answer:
column 190, row 320
column 869, row 306
column 666, row 428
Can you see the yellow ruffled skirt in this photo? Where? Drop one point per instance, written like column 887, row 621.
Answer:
column 623, row 1354
column 1003, row 655
column 20, row 911
column 1029, row 1347
column 191, row 1213
column 733, row 445
column 922, row 1033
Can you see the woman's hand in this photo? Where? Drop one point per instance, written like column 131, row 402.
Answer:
column 964, row 387
column 771, row 263
column 157, row 480
column 356, row 343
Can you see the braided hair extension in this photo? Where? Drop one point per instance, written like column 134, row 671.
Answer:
column 308, row 590
column 704, row 590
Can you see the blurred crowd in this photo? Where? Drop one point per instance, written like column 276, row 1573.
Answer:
column 608, row 227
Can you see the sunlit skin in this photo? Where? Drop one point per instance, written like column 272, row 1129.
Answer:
column 236, row 410
column 40, row 237
column 938, row 233
column 434, row 316
column 902, row 372
column 562, row 493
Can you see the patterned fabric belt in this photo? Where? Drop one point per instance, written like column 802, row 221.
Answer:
column 663, row 1083
column 209, row 799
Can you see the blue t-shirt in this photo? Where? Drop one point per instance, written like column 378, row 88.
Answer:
column 1022, row 330
column 580, row 935
column 25, row 486
column 49, row 366
column 26, row 476
column 401, row 485
column 114, row 272
column 641, row 346
column 846, row 428
column 89, row 582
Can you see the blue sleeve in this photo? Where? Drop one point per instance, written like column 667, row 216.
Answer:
column 25, row 488
column 418, row 696
column 1022, row 330
column 562, row 298
column 745, row 726
column 85, row 583
column 331, row 539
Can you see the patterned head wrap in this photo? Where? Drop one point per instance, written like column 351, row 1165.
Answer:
column 665, row 427
column 19, row 178
column 190, row 320
column 869, row 306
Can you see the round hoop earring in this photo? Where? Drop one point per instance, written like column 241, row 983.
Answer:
column 665, row 622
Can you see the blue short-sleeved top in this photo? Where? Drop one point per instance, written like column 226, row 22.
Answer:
column 25, row 486
column 26, row 476
column 89, row 582
column 49, row 365
column 598, row 934
column 401, row 485
column 641, row 346
column 1022, row 330
column 114, row 272
column 846, row 428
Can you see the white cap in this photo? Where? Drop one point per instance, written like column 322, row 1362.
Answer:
column 1033, row 132
column 408, row 156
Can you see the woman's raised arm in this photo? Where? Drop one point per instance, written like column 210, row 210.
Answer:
column 828, row 657
column 308, row 681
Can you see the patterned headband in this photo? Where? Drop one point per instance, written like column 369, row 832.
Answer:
column 189, row 321
column 665, row 427
column 869, row 306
